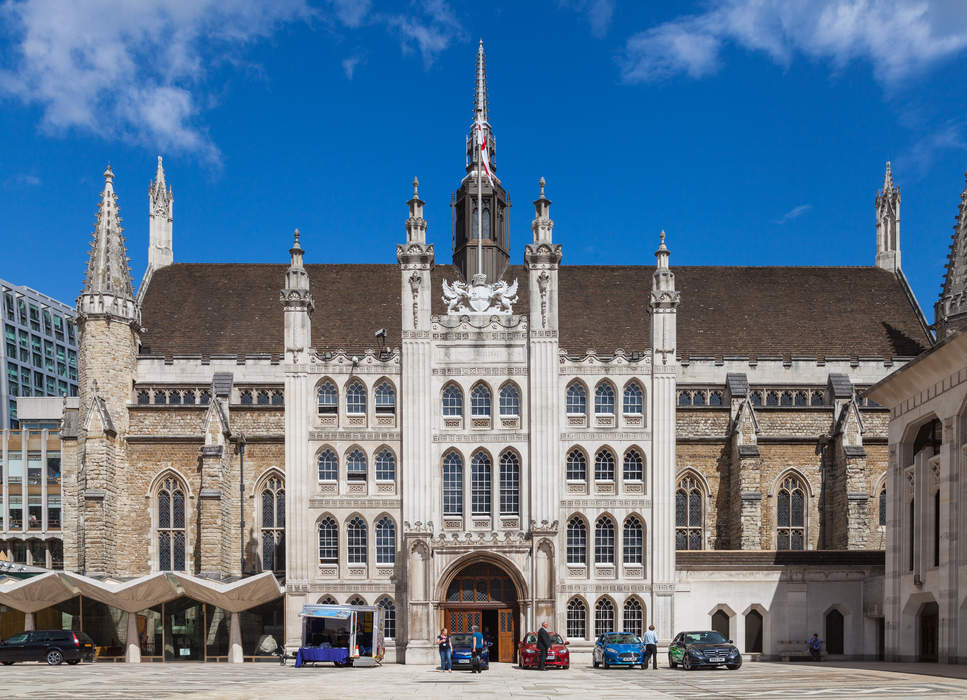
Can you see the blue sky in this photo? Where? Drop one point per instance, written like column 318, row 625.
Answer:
column 754, row 132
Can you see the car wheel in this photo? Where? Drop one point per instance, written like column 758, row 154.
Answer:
column 8, row 663
column 606, row 664
column 73, row 662
column 54, row 657
column 687, row 663
column 566, row 666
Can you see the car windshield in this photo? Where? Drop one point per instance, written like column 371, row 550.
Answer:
column 621, row 639
column 705, row 638
column 461, row 640
column 532, row 639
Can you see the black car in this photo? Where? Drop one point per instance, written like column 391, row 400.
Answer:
column 52, row 646
column 703, row 648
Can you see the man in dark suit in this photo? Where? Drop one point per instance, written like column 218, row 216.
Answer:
column 543, row 644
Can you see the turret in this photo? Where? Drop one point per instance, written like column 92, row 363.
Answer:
column 664, row 307
column 161, row 202
column 298, row 305
column 888, row 224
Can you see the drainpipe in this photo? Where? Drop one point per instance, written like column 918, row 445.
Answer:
column 533, row 613
column 241, row 496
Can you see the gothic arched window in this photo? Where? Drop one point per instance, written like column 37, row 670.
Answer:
column 480, row 484
column 577, row 400
column 452, row 402
column 328, row 466
column 509, row 484
column 388, row 607
column 604, row 466
column 480, row 402
column 509, row 401
column 633, row 541
column 273, row 525
column 577, row 619
column 604, row 541
column 171, row 526
column 604, row 399
column 385, row 397
column 882, row 505
column 328, row 541
column 577, row 466
column 577, row 541
column 327, row 398
column 356, row 465
column 356, row 398
column 385, row 466
column 603, row 617
column 356, row 541
column 633, row 617
column 634, row 469
column 791, row 514
column 689, row 515
column 452, row 484
column 634, row 399
column 385, row 541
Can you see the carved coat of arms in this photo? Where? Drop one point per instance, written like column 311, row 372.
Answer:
column 478, row 297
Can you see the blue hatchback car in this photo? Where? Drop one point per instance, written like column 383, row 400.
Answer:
column 618, row 649
column 462, row 645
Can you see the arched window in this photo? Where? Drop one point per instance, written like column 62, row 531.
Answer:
column 205, row 397
column 577, row 619
column 698, row 398
column 190, row 397
column 273, row 525
column 356, row 465
column 385, row 541
column 633, row 541
column 143, row 398
column 577, row 466
column 684, row 398
column 452, row 402
column 577, row 400
column 174, row 398
column 715, row 398
column 791, row 514
column 262, row 398
column 603, row 617
column 509, row 401
column 480, row 402
column 356, row 600
column 633, row 617
column 356, row 541
column 634, row 466
column 385, row 397
column 753, row 632
column 245, row 397
column 480, row 484
column 604, row 466
column 278, row 398
column 452, row 484
column 327, row 600
column 786, row 399
column 161, row 397
column 817, row 399
column 721, row 622
column 171, row 526
column 800, row 399
column 328, row 466
column 929, row 437
column 634, row 399
column 328, row 541
column 604, row 399
column 385, row 466
column 755, row 398
column 689, row 515
column 604, row 541
column 509, row 484
column 772, row 398
column 356, row 398
column 577, row 542
column 389, row 617
column 882, row 505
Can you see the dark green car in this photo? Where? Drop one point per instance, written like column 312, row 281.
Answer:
column 704, row 648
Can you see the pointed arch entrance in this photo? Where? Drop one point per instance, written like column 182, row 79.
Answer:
column 485, row 592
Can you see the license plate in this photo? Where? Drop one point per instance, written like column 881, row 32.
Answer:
column 627, row 657
column 550, row 655
column 717, row 659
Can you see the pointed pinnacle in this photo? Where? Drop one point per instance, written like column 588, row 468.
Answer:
column 661, row 239
column 108, row 174
column 541, row 183
column 416, row 187
column 888, row 178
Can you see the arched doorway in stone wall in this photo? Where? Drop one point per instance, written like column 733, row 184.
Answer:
column 482, row 593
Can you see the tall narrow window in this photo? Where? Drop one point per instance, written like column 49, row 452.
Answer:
column 604, row 399
column 509, row 401
column 509, row 484
column 633, row 467
column 171, row 526
column 633, row 400
column 273, row 526
column 328, row 541
column 936, row 528
column 452, row 402
column 385, row 397
column 791, row 514
column 356, row 465
column 385, row 466
column 633, row 541
column 385, row 542
column 604, row 541
column 389, row 617
column 603, row 617
column 912, row 536
column 480, row 402
column 480, row 484
column 356, row 541
column 577, row 542
column 328, row 398
column 577, row 619
column 356, row 398
column 689, row 515
column 577, row 401
column 882, row 506
column 633, row 617
column 328, row 466
column 452, row 484
column 604, row 466
column 577, row 466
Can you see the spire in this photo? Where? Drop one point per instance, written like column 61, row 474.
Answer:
column 480, row 95
column 416, row 224
column 480, row 113
column 543, row 225
column 888, row 179
column 297, row 305
column 887, row 206
column 160, row 218
column 950, row 313
column 662, row 253
column 107, row 267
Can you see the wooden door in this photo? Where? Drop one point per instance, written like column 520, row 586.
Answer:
column 505, row 635
column 462, row 621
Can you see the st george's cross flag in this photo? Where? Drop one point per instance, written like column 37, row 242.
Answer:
column 484, row 151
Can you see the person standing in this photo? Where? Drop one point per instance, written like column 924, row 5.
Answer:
column 543, row 644
column 476, row 650
column 815, row 647
column 446, row 650
column 650, row 640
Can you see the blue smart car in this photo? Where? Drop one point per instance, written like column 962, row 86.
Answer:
column 618, row 649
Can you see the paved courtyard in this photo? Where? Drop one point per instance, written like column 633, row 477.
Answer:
column 754, row 680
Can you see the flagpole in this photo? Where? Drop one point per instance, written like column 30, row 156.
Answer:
column 480, row 145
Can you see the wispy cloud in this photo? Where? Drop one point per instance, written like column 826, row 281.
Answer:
column 431, row 28
column 598, row 13
column 918, row 159
column 793, row 213
column 24, row 180
column 349, row 65
column 898, row 38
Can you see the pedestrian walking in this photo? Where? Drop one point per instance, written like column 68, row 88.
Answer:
column 650, row 640
column 446, row 650
column 476, row 650
column 815, row 645
column 543, row 644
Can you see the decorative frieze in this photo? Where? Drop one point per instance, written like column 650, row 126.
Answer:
column 609, row 436
column 572, row 588
column 354, row 436
column 317, row 502
column 480, row 437
column 479, row 371
column 593, row 502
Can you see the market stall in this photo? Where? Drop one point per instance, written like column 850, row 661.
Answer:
column 347, row 635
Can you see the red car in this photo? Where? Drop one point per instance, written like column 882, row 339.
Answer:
column 557, row 655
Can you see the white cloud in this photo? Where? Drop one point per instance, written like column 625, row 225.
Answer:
column 794, row 213
column 921, row 155
column 27, row 179
column 431, row 27
column 125, row 69
column 349, row 65
column 898, row 38
column 352, row 13
column 598, row 12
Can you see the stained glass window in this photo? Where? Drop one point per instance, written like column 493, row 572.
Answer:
column 791, row 514
column 689, row 514
column 171, row 526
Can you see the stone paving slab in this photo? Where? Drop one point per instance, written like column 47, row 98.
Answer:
column 220, row 681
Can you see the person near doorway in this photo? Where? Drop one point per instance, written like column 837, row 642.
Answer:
column 650, row 640
column 476, row 650
column 446, row 650
column 543, row 644
column 815, row 647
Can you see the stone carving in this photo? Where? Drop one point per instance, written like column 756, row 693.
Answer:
column 543, row 281
column 415, row 281
column 478, row 297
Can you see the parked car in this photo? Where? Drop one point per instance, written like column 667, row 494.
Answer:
column 52, row 646
column 704, row 648
column 618, row 649
column 462, row 644
column 557, row 656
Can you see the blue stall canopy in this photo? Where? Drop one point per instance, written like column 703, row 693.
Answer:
column 333, row 612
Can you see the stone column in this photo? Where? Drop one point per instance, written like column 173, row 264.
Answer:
column 28, row 622
column 132, row 654
column 235, row 640
column 302, row 557
column 210, row 512
column 949, row 560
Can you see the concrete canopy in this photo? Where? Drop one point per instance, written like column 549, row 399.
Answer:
column 33, row 594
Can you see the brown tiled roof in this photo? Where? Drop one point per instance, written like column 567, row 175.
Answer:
column 206, row 308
